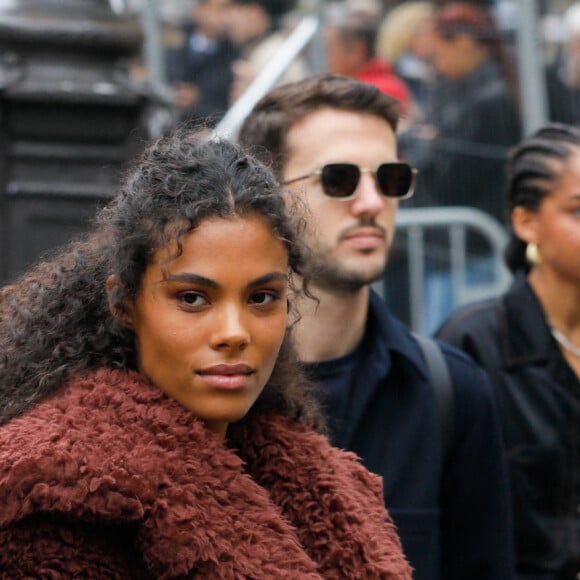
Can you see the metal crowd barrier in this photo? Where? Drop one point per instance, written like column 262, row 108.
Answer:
column 414, row 223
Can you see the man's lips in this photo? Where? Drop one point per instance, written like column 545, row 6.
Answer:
column 364, row 237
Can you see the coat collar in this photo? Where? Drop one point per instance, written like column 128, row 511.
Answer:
column 524, row 333
column 112, row 446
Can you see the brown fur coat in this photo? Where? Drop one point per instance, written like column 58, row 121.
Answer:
column 111, row 479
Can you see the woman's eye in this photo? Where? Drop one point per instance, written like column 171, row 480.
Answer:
column 192, row 299
column 264, row 298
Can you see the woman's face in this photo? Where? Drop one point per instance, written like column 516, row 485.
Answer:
column 209, row 324
column 455, row 57
column 556, row 224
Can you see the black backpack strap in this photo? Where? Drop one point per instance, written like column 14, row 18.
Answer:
column 442, row 389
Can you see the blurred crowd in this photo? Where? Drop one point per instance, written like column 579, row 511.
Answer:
column 212, row 59
column 212, row 54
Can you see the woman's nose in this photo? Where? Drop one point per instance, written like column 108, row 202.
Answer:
column 231, row 329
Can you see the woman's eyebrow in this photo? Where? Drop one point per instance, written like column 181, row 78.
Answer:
column 192, row 278
column 270, row 277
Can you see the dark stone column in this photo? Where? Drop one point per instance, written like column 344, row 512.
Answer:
column 70, row 117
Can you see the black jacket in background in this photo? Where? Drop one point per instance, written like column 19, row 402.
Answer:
column 477, row 121
column 210, row 70
column 563, row 99
column 538, row 396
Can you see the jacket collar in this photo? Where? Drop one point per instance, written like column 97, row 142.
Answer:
column 524, row 333
column 391, row 336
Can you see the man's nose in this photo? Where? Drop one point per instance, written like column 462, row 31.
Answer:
column 368, row 200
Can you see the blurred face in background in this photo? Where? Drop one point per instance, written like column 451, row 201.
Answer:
column 572, row 62
column 456, row 57
column 422, row 41
column 344, row 56
column 247, row 22
column 212, row 17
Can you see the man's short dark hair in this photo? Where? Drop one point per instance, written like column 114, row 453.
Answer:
column 264, row 130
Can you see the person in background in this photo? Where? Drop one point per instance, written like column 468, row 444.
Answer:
column 563, row 75
column 199, row 70
column 461, row 147
column 350, row 39
column 404, row 40
column 331, row 142
column 257, row 28
column 153, row 420
column 528, row 340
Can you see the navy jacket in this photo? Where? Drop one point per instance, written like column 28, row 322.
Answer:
column 454, row 522
column 538, row 397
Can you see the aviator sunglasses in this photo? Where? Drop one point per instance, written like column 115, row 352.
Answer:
column 340, row 180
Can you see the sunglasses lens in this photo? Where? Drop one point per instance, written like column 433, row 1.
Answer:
column 339, row 179
column 395, row 179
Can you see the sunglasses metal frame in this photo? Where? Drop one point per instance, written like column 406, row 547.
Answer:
column 373, row 172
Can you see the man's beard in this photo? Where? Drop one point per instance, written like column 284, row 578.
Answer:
column 327, row 273
column 331, row 276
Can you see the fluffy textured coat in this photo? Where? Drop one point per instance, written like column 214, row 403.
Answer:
column 110, row 478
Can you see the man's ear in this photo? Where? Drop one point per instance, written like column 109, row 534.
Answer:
column 124, row 318
column 525, row 224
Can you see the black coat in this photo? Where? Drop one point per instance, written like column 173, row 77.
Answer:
column 477, row 121
column 210, row 70
column 563, row 99
column 538, row 396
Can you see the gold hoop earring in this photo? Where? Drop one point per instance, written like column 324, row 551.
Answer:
column 533, row 257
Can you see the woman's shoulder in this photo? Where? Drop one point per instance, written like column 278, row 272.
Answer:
column 480, row 318
column 102, row 434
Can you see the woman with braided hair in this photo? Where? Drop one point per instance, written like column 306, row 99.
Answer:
column 529, row 342
column 153, row 420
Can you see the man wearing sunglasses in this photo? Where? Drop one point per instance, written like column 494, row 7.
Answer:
column 332, row 142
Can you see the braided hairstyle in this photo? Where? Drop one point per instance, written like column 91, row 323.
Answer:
column 533, row 168
column 56, row 320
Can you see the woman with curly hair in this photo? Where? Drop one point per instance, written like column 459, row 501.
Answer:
column 154, row 421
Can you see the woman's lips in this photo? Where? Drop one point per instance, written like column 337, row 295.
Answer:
column 224, row 376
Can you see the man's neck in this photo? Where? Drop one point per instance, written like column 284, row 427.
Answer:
column 332, row 327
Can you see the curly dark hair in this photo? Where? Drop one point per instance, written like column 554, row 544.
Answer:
column 533, row 168
column 56, row 321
